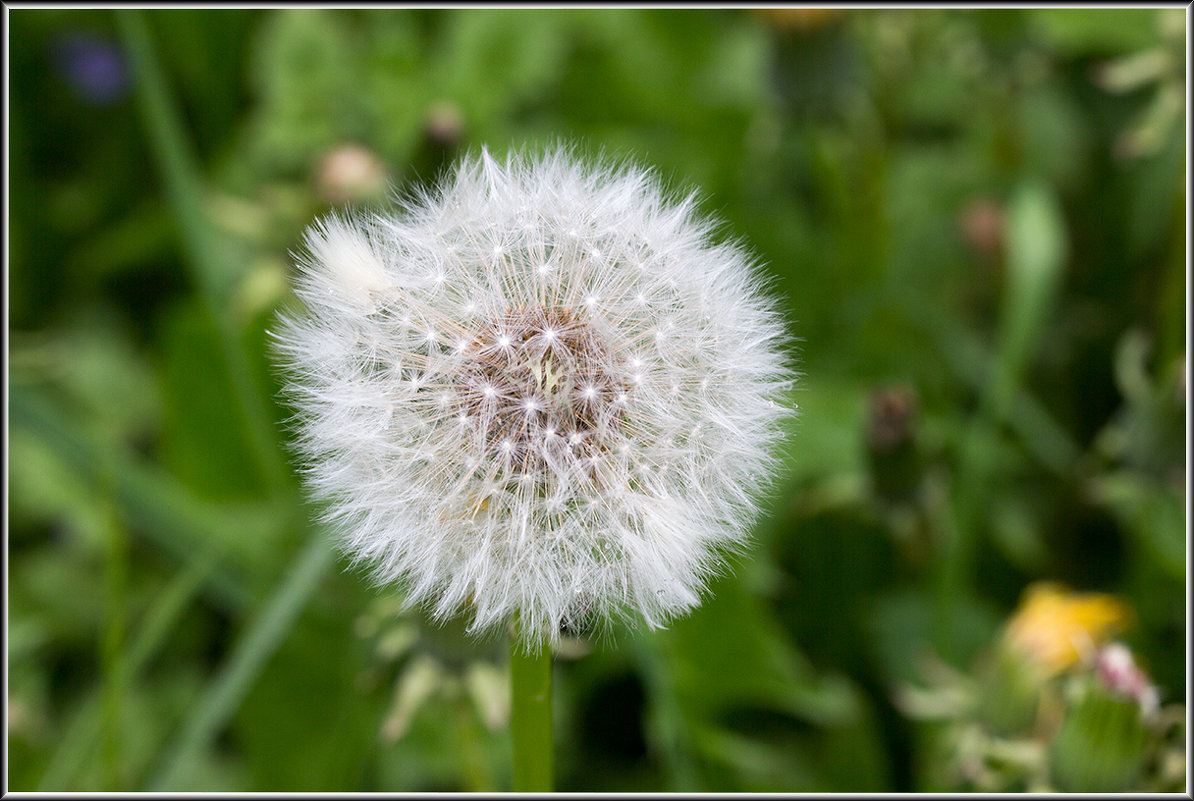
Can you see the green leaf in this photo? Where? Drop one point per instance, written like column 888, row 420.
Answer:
column 901, row 633
column 214, row 266
column 490, row 60
column 305, row 72
column 1036, row 254
column 1103, row 31
column 329, row 741
column 712, row 689
column 1155, row 514
column 156, row 506
column 205, row 441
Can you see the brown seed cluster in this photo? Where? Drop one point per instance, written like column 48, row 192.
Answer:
column 540, row 385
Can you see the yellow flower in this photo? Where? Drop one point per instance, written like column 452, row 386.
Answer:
column 1057, row 628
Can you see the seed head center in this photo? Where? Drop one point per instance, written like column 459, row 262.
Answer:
column 542, row 388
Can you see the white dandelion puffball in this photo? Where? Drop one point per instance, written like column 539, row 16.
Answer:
column 540, row 388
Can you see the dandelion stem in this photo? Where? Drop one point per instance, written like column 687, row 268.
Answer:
column 530, row 716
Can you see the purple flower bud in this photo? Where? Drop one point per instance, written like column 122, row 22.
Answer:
column 94, row 67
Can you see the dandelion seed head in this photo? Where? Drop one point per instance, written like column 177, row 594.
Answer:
column 528, row 456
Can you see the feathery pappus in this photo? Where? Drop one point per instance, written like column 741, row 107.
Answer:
column 540, row 387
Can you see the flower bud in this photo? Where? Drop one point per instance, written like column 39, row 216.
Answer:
column 982, row 223
column 350, row 173
column 890, row 442
column 444, row 125
column 1101, row 745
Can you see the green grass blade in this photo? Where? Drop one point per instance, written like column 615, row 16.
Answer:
column 153, row 504
column 223, row 695
column 113, row 654
column 212, row 266
column 175, row 161
column 83, row 735
column 1036, row 248
column 1040, row 434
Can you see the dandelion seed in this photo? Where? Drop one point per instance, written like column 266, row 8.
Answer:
column 516, row 476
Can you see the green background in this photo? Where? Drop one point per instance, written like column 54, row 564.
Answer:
column 975, row 222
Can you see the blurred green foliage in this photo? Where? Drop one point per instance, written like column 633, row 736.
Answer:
column 975, row 220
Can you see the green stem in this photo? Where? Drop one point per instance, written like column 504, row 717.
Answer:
column 530, row 716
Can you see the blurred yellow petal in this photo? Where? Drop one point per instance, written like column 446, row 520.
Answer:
column 1057, row 628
